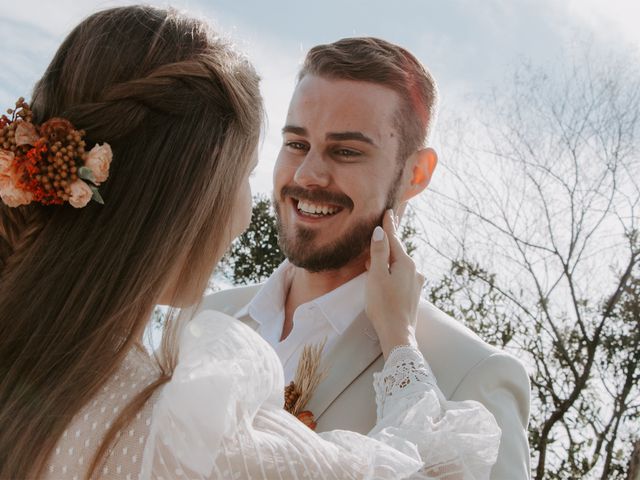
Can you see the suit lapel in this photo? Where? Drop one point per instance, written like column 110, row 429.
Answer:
column 244, row 317
column 355, row 350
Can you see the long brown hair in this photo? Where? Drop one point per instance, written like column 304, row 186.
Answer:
column 182, row 113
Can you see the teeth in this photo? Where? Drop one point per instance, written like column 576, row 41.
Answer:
column 316, row 209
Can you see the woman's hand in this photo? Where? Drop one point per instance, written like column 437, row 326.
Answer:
column 393, row 288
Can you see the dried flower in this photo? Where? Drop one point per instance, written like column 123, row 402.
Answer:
column 308, row 376
column 44, row 164
column 81, row 194
column 26, row 134
column 13, row 196
column 6, row 165
column 98, row 160
column 56, row 128
column 308, row 419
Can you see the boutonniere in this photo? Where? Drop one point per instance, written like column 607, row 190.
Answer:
column 308, row 376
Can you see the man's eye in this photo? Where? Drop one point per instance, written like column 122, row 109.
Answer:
column 347, row 152
column 296, row 145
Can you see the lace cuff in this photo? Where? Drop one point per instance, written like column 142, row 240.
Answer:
column 405, row 372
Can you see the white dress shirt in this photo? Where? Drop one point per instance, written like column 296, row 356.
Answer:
column 327, row 316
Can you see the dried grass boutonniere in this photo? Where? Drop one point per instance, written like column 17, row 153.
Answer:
column 308, row 376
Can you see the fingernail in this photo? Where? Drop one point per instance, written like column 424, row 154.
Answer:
column 378, row 234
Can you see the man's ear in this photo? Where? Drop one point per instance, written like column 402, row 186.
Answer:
column 421, row 166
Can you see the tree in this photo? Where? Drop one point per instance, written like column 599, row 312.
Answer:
column 539, row 224
column 254, row 256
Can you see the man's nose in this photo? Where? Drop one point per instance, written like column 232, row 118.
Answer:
column 313, row 171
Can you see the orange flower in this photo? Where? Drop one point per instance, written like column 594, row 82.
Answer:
column 10, row 192
column 308, row 419
column 56, row 128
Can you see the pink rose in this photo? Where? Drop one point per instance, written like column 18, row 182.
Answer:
column 26, row 134
column 6, row 165
column 80, row 194
column 13, row 196
column 98, row 161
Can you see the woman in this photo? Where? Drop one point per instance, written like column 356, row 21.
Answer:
column 181, row 114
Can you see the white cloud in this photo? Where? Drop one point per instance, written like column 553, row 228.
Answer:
column 467, row 45
column 612, row 20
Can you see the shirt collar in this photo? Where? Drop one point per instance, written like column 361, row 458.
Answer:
column 342, row 305
column 269, row 301
column 339, row 306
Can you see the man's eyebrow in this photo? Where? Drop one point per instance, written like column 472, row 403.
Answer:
column 295, row 130
column 335, row 136
column 358, row 136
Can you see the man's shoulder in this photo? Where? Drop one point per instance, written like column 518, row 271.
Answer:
column 453, row 350
column 434, row 324
column 230, row 299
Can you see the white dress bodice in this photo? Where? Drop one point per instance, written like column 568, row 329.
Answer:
column 221, row 416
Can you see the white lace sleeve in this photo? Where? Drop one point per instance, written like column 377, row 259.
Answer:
column 405, row 372
column 222, row 416
column 456, row 440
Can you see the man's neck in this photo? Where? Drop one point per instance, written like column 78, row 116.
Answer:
column 306, row 286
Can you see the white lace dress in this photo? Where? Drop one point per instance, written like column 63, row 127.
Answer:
column 222, row 416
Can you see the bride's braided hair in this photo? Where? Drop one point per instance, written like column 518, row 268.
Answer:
column 18, row 228
column 183, row 114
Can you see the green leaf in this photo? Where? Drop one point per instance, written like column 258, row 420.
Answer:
column 86, row 174
column 96, row 195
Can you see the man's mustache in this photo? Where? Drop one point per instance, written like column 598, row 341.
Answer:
column 317, row 196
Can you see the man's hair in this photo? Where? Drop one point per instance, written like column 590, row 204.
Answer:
column 377, row 61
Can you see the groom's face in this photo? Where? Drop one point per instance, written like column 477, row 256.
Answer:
column 337, row 170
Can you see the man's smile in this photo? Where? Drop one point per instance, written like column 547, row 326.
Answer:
column 317, row 209
column 310, row 211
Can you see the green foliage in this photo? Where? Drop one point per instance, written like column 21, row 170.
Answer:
column 255, row 254
column 408, row 231
column 468, row 293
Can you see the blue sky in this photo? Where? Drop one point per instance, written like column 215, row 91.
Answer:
column 469, row 46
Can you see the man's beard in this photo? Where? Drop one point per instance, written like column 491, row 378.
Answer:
column 297, row 244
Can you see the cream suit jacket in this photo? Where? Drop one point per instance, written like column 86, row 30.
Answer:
column 465, row 367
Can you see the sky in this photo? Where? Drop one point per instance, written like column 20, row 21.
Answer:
column 469, row 46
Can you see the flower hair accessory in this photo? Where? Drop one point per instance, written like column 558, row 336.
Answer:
column 48, row 164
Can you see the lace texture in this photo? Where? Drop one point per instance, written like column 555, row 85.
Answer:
column 405, row 372
column 454, row 439
column 221, row 417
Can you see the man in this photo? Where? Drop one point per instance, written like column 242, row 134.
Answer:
column 353, row 146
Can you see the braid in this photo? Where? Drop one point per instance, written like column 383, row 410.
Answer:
column 175, row 89
column 19, row 228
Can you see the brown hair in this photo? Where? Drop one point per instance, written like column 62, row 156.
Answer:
column 369, row 59
column 183, row 114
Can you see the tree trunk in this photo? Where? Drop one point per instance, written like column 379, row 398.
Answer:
column 634, row 463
